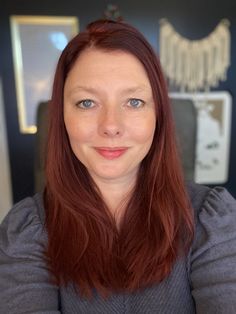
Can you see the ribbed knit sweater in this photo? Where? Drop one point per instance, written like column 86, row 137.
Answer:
column 203, row 282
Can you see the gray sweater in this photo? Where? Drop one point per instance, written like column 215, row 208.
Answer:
column 203, row 282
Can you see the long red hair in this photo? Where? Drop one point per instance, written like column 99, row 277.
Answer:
column 84, row 246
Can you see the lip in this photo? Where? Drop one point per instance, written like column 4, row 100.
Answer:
column 111, row 152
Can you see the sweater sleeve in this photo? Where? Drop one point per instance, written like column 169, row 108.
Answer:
column 24, row 278
column 213, row 259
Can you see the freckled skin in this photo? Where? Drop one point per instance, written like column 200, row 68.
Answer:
column 110, row 119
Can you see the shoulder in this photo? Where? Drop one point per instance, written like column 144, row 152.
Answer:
column 213, row 253
column 197, row 194
column 28, row 208
column 25, row 278
column 23, row 223
column 211, row 200
column 215, row 214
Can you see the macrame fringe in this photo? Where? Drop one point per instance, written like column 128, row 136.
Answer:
column 195, row 64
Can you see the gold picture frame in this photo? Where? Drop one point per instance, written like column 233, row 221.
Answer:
column 37, row 42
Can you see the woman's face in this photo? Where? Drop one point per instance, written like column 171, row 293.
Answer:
column 109, row 113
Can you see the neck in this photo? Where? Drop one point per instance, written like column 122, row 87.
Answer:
column 116, row 194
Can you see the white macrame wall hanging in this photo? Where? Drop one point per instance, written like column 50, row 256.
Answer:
column 194, row 65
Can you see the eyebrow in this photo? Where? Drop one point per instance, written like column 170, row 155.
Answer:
column 93, row 90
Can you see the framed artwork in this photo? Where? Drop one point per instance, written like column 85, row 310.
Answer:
column 37, row 42
column 5, row 178
column 213, row 135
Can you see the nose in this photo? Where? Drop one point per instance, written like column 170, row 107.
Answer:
column 111, row 124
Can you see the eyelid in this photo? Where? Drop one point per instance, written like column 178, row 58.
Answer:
column 138, row 99
column 79, row 103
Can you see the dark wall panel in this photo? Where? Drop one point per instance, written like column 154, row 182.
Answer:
column 193, row 19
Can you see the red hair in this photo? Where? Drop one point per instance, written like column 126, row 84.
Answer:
column 84, row 246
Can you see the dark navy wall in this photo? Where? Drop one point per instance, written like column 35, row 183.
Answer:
column 193, row 19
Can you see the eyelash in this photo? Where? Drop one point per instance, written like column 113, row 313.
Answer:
column 141, row 102
column 81, row 103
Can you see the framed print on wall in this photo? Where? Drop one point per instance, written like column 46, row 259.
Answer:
column 5, row 178
column 214, row 110
column 37, row 42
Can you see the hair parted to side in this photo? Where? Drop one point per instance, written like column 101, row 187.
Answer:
column 84, row 246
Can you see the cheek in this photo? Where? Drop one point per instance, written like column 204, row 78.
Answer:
column 78, row 131
column 144, row 129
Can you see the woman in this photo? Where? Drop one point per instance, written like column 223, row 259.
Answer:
column 116, row 230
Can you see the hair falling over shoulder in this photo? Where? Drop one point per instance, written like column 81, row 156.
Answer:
column 84, row 246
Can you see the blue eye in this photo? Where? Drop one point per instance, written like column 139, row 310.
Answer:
column 136, row 103
column 85, row 104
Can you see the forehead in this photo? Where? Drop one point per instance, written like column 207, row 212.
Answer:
column 100, row 66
